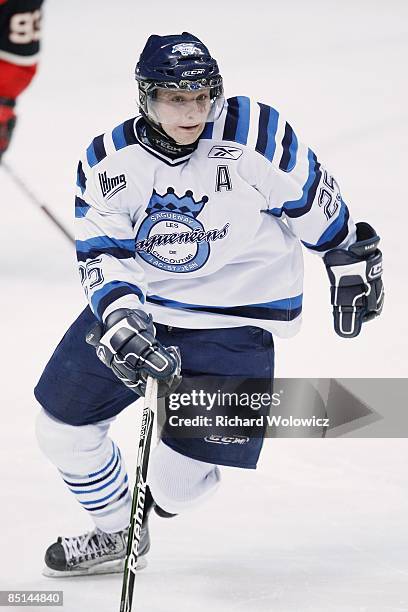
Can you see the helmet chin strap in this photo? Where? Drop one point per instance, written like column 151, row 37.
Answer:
column 159, row 139
column 157, row 127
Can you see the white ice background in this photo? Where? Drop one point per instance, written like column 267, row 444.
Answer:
column 321, row 526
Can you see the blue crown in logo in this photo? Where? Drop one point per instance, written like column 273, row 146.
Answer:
column 170, row 202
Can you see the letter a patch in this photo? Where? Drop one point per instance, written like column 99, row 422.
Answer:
column 223, row 179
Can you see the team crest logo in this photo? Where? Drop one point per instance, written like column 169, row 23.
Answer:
column 171, row 237
column 187, row 49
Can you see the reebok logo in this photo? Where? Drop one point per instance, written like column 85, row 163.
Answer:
column 225, row 152
column 111, row 186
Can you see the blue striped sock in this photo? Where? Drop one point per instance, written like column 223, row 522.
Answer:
column 104, row 493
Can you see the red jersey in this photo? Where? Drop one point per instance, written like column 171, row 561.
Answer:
column 19, row 44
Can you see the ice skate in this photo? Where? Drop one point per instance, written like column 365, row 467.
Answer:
column 95, row 552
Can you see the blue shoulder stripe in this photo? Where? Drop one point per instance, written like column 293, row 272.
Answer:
column 118, row 137
column 236, row 125
column 96, row 151
column 297, row 208
column 334, row 234
column 290, row 147
column 110, row 292
column 231, row 120
column 208, row 131
column 104, row 245
column 241, row 135
column 129, row 131
column 124, row 134
column 267, row 128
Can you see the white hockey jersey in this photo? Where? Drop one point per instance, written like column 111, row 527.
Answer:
column 212, row 239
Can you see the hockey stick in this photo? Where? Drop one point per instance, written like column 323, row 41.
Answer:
column 139, row 493
column 33, row 198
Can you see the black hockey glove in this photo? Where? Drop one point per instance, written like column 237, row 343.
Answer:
column 127, row 344
column 7, row 123
column 357, row 292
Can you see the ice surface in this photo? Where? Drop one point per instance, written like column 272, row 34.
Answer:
column 321, row 525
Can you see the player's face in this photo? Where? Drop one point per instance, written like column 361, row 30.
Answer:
column 182, row 114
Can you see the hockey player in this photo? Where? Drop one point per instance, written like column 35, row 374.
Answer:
column 19, row 48
column 189, row 216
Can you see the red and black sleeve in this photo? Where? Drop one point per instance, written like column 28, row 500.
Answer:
column 19, row 44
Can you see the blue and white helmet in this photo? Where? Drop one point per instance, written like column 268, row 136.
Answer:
column 180, row 62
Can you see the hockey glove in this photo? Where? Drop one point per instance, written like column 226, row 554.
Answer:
column 7, row 123
column 357, row 292
column 127, row 344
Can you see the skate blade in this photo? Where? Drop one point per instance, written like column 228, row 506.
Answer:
column 109, row 567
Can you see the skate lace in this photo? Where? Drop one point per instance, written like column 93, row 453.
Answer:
column 89, row 545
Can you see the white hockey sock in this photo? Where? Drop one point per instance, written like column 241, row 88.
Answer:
column 92, row 468
column 178, row 482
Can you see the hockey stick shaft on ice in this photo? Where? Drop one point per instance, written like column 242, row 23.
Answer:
column 139, row 494
column 33, row 198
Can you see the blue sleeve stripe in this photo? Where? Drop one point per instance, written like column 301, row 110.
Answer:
column 297, row 208
column 99, row 148
column 112, row 251
column 103, row 245
column 96, row 151
column 91, row 156
column 110, row 292
column 118, row 137
column 208, row 131
column 81, row 178
column 101, row 242
column 267, row 128
column 81, row 212
column 290, row 147
column 81, row 207
column 280, row 310
column 241, row 135
column 124, row 135
column 334, row 234
column 104, row 242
